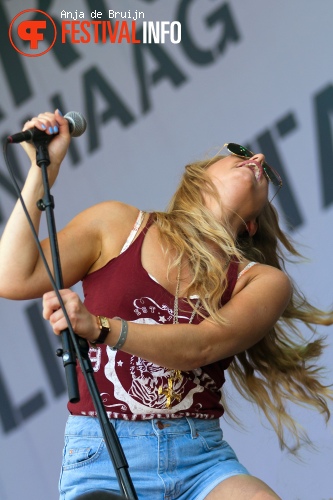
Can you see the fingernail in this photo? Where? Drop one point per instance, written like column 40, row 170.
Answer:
column 60, row 113
column 43, row 126
column 55, row 130
column 51, row 130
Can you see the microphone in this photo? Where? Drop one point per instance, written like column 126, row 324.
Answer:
column 76, row 122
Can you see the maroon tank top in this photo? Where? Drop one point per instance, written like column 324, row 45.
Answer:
column 129, row 386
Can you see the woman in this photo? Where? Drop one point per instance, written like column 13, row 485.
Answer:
column 199, row 289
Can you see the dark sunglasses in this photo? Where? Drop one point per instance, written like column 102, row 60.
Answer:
column 269, row 172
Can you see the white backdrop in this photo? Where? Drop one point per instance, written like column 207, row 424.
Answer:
column 257, row 72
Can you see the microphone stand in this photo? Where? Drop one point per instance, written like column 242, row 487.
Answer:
column 72, row 344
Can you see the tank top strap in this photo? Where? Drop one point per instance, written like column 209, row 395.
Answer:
column 136, row 228
column 150, row 221
column 246, row 268
column 134, row 231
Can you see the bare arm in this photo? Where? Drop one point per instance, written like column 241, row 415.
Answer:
column 16, row 265
column 250, row 314
column 82, row 243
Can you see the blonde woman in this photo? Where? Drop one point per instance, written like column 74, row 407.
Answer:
column 172, row 300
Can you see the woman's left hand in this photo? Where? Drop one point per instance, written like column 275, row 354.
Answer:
column 83, row 322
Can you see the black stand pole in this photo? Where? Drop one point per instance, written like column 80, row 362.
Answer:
column 72, row 344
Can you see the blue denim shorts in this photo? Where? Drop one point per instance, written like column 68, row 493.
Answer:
column 180, row 459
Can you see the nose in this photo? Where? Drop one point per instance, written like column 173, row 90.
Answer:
column 259, row 158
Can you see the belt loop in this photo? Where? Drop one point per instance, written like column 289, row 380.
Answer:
column 194, row 433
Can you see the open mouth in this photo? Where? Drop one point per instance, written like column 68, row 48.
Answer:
column 254, row 166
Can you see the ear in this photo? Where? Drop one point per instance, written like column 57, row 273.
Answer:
column 251, row 227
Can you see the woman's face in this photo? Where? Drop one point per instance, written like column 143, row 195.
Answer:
column 242, row 188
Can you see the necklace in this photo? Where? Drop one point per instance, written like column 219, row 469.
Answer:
column 175, row 375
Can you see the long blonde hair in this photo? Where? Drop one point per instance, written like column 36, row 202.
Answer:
column 282, row 367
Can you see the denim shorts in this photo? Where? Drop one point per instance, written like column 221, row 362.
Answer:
column 180, row 459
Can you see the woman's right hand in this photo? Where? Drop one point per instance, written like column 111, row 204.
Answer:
column 52, row 124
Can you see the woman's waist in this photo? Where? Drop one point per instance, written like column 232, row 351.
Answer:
column 90, row 426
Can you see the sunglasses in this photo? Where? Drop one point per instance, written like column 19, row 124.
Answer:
column 269, row 172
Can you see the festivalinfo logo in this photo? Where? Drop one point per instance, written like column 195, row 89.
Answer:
column 33, row 32
column 30, row 26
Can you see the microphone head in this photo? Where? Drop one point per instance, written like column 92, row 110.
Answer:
column 77, row 123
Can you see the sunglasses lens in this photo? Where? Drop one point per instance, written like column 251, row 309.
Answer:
column 272, row 175
column 239, row 150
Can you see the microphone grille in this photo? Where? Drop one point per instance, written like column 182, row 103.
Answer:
column 77, row 123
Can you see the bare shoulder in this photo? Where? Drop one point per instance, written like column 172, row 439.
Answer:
column 105, row 220
column 108, row 212
column 266, row 276
column 109, row 223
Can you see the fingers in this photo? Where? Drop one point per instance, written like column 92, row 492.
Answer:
column 53, row 124
column 50, row 123
column 51, row 302
column 83, row 322
column 53, row 313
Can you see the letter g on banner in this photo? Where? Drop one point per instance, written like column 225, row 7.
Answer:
column 23, row 29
